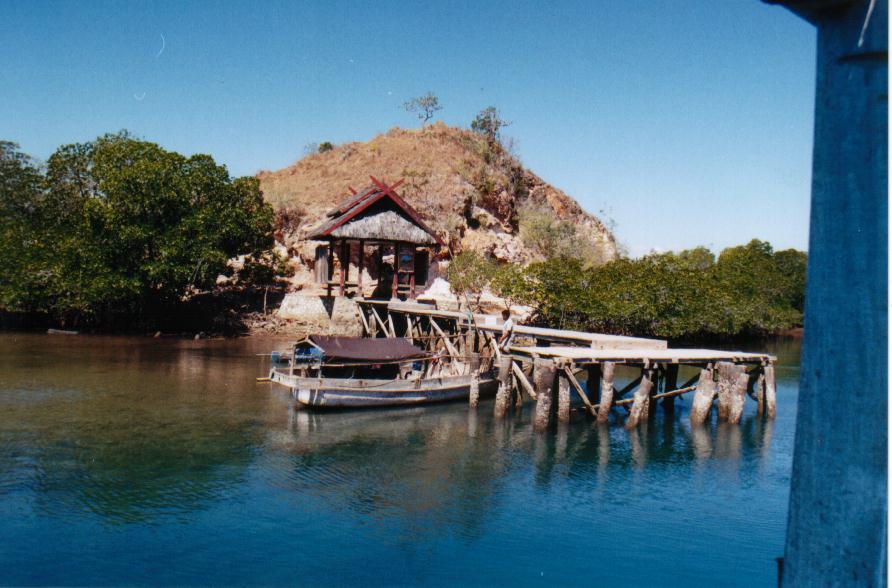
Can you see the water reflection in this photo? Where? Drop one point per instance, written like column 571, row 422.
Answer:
column 150, row 449
column 411, row 463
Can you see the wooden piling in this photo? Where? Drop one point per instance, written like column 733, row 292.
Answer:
column 728, row 374
column 593, row 383
column 738, row 396
column 642, row 400
column 670, row 383
column 703, row 397
column 544, row 379
column 503, row 396
column 563, row 410
column 605, row 403
column 474, row 366
column 770, row 392
column 759, row 392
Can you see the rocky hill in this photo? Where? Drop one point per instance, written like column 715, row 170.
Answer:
column 471, row 191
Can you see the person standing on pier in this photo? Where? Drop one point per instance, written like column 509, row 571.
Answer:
column 507, row 331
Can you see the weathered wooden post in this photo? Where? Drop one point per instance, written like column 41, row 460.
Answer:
column 543, row 376
column 728, row 375
column 474, row 366
column 670, row 384
column 605, row 403
column 759, row 391
column 563, row 409
column 738, row 396
column 361, row 266
column 703, row 396
column 593, row 383
column 770, row 392
column 503, row 395
column 641, row 399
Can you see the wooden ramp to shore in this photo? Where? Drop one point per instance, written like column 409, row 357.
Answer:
column 552, row 366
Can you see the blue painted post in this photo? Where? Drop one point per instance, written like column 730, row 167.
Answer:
column 837, row 522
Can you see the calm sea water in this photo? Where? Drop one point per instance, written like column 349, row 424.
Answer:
column 159, row 462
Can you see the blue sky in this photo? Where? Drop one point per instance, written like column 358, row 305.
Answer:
column 688, row 122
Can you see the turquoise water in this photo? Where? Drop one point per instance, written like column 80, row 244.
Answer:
column 159, row 462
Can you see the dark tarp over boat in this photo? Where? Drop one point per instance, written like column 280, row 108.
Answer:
column 363, row 349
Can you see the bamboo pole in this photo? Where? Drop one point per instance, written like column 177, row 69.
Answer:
column 641, row 399
column 544, row 377
column 608, row 369
column 703, row 397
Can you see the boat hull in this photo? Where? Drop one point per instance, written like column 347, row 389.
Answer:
column 340, row 393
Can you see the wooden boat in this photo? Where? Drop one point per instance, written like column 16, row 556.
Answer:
column 353, row 372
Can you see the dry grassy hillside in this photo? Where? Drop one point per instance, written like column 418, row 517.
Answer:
column 472, row 192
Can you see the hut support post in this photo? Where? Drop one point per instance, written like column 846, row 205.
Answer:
column 361, row 266
column 703, row 396
column 503, row 396
column 330, row 275
column 394, row 287
column 544, row 379
column 345, row 267
column 605, row 403
column 412, row 275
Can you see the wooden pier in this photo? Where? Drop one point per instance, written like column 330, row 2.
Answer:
column 562, row 372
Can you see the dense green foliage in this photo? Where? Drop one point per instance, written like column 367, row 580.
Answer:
column 749, row 290
column 120, row 227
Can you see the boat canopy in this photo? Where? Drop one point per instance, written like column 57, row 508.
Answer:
column 365, row 349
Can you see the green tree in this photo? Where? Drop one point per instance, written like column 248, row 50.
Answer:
column 424, row 107
column 130, row 228
column 23, row 240
column 489, row 123
column 468, row 274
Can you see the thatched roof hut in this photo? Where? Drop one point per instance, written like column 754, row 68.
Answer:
column 376, row 215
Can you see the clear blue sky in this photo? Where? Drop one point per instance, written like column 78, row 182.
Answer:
column 689, row 122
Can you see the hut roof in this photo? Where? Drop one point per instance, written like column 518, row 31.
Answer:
column 386, row 225
column 376, row 212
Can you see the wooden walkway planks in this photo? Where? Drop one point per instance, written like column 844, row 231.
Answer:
column 640, row 356
column 493, row 324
